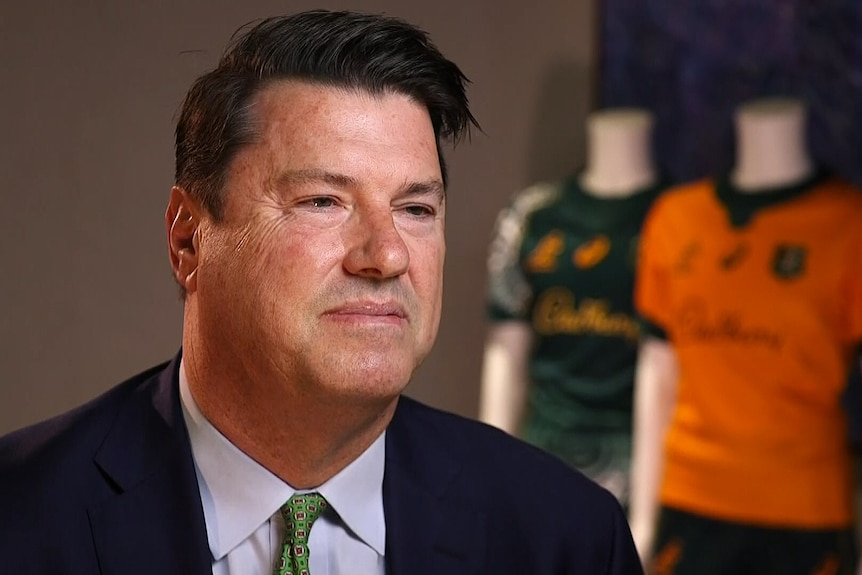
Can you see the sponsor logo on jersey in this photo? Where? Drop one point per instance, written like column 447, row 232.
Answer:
column 683, row 262
column 788, row 262
column 544, row 256
column 665, row 561
column 698, row 324
column 735, row 257
column 556, row 312
column 592, row 251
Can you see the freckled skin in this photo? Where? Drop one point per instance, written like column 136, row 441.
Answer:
column 319, row 293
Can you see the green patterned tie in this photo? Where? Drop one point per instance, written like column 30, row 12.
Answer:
column 299, row 513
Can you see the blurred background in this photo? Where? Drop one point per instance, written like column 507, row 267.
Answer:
column 91, row 89
column 692, row 63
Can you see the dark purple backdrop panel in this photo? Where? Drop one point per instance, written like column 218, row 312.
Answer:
column 692, row 63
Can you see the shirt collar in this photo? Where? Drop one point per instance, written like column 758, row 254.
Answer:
column 356, row 493
column 239, row 494
column 742, row 207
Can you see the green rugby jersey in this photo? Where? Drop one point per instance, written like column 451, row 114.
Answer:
column 563, row 261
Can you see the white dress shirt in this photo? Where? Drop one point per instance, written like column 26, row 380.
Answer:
column 241, row 502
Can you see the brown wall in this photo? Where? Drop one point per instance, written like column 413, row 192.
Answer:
column 88, row 96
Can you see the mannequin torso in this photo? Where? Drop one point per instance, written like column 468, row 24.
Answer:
column 770, row 263
column 570, row 246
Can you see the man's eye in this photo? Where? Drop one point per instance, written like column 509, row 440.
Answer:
column 419, row 211
column 322, row 202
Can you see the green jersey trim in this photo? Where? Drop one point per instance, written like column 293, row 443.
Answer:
column 595, row 213
column 743, row 206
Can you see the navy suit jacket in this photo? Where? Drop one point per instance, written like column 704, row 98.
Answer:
column 110, row 488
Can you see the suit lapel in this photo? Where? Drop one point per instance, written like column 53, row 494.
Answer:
column 427, row 531
column 155, row 522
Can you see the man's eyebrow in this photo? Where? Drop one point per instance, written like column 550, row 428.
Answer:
column 298, row 177
column 430, row 187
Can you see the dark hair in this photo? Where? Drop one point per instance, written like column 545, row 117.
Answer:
column 378, row 54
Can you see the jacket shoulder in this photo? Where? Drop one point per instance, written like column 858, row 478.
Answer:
column 499, row 461
column 62, row 445
column 530, row 500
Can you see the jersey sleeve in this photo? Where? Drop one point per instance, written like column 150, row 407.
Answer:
column 652, row 278
column 510, row 294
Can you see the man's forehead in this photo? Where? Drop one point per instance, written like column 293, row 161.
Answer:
column 312, row 120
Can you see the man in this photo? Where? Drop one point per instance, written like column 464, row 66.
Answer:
column 306, row 232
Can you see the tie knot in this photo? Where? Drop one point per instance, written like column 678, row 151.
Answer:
column 300, row 512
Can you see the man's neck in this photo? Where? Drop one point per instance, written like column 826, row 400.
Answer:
column 303, row 440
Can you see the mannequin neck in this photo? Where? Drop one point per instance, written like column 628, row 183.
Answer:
column 771, row 151
column 619, row 158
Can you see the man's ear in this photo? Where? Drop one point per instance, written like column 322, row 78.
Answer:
column 182, row 219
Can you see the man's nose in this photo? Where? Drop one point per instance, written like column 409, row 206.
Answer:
column 376, row 248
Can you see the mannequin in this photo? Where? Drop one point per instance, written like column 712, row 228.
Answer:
column 619, row 156
column 771, row 145
column 619, row 166
column 771, row 155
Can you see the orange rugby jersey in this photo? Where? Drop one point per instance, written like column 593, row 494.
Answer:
column 761, row 297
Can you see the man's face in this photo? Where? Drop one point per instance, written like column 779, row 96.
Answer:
column 326, row 272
